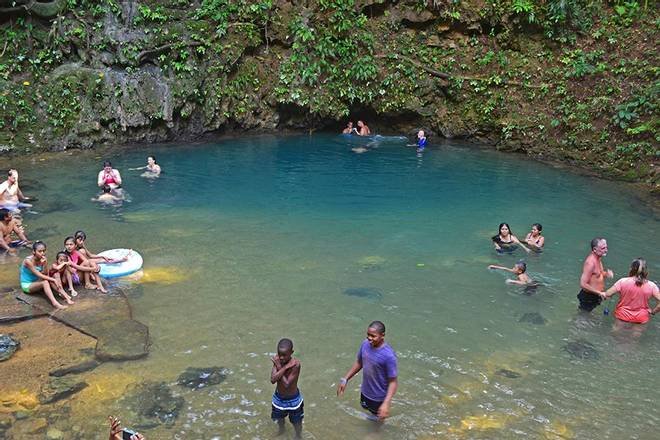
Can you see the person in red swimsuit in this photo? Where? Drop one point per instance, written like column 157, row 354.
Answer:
column 109, row 176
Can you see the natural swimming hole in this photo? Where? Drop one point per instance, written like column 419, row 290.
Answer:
column 248, row 240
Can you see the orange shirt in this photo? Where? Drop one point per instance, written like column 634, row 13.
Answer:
column 633, row 305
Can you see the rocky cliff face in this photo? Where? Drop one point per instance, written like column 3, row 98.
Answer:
column 577, row 84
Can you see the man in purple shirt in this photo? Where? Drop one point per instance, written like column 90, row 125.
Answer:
column 377, row 361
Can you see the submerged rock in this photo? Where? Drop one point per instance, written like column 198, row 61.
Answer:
column 8, row 347
column 154, row 403
column 533, row 318
column 59, row 388
column 75, row 369
column 202, row 377
column 581, row 350
column 372, row 262
column 508, row 373
column 364, row 292
column 55, row 206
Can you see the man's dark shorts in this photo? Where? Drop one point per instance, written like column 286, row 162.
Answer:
column 295, row 415
column 588, row 301
column 368, row 404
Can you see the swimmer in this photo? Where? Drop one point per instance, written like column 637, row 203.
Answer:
column 11, row 196
column 534, row 239
column 421, row 141
column 359, row 150
column 107, row 196
column 505, row 241
column 78, row 263
column 109, row 176
column 363, row 129
column 519, row 270
column 349, row 128
column 9, row 225
column 34, row 279
column 153, row 169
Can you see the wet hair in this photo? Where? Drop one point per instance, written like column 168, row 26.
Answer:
column 61, row 254
column 595, row 242
column 639, row 270
column 522, row 265
column 378, row 326
column 285, row 345
column 3, row 213
column 107, row 163
column 538, row 226
column 106, row 189
column 499, row 229
column 80, row 234
column 37, row 244
column 153, row 157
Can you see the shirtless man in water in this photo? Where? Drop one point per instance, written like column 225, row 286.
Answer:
column 11, row 196
column 287, row 400
column 8, row 225
column 592, row 281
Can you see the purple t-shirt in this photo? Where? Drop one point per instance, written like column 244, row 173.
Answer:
column 378, row 366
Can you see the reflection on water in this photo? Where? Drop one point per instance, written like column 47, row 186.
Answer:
column 251, row 240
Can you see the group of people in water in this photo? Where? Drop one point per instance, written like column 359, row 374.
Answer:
column 110, row 182
column 75, row 264
column 633, row 308
column 363, row 130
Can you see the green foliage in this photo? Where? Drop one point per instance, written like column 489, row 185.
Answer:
column 582, row 63
column 331, row 61
column 524, row 8
column 629, row 112
column 147, row 14
column 626, row 11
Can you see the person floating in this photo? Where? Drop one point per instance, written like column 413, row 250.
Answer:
column 505, row 241
column 107, row 196
column 378, row 363
column 519, row 270
column 634, row 291
column 34, row 278
column 534, row 239
column 152, row 168
column 363, row 129
column 9, row 226
column 592, row 281
column 287, row 399
column 11, row 196
column 109, row 176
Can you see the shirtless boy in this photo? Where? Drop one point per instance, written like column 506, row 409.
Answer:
column 363, row 129
column 8, row 225
column 287, row 400
column 519, row 270
column 592, row 281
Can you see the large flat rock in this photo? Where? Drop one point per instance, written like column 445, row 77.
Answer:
column 14, row 311
column 106, row 317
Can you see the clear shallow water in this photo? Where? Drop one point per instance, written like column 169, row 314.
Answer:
column 254, row 239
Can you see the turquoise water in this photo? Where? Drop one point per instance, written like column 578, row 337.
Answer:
column 262, row 236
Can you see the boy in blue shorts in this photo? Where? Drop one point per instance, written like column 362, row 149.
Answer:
column 287, row 400
column 378, row 363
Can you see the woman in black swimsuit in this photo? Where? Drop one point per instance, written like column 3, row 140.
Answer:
column 505, row 241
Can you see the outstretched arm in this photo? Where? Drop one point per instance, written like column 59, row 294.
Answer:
column 515, row 240
column 495, row 266
column 355, row 368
